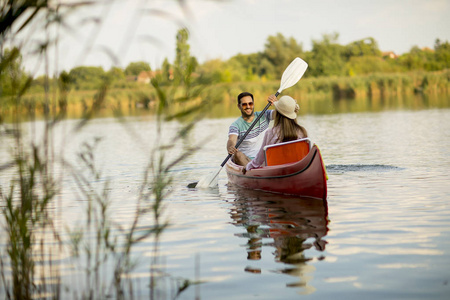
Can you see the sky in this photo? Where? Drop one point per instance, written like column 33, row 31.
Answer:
column 144, row 30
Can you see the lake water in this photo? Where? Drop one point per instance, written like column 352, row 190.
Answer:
column 383, row 233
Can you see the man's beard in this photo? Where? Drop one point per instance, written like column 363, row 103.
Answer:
column 249, row 114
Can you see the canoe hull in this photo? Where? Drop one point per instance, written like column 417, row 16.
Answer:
column 305, row 178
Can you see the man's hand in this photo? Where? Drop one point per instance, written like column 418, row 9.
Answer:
column 231, row 143
column 232, row 150
column 272, row 99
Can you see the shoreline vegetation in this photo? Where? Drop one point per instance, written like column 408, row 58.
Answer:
column 143, row 98
column 354, row 71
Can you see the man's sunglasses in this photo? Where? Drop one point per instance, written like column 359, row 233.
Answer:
column 250, row 104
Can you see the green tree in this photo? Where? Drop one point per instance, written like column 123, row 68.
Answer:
column 360, row 65
column 87, row 77
column 249, row 63
column 442, row 51
column 210, row 72
column 278, row 54
column 166, row 71
column 326, row 57
column 419, row 59
column 115, row 74
column 184, row 64
column 64, row 81
column 234, row 71
column 364, row 47
column 134, row 68
column 13, row 77
column 38, row 84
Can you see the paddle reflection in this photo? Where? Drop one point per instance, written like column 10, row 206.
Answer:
column 289, row 224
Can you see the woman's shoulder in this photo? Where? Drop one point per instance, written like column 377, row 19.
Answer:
column 271, row 135
column 272, row 131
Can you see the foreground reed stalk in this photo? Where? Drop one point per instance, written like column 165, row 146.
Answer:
column 38, row 247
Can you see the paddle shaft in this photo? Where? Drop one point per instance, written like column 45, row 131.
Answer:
column 248, row 130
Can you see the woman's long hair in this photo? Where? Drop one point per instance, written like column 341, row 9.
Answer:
column 288, row 129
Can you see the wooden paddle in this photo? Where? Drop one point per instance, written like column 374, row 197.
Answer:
column 290, row 76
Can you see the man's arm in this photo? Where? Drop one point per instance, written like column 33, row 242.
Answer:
column 271, row 99
column 231, row 143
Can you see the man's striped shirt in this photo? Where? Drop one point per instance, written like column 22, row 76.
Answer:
column 253, row 141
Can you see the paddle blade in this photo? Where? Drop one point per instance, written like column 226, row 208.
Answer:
column 293, row 73
column 210, row 180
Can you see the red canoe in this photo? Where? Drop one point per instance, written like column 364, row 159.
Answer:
column 302, row 177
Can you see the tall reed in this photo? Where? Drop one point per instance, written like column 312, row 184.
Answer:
column 35, row 239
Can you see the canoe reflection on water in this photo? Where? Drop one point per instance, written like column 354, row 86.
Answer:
column 289, row 224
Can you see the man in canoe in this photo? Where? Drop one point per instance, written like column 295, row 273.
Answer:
column 253, row 141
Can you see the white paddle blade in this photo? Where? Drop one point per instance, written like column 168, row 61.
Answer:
column 293, row 73
column 209, row 181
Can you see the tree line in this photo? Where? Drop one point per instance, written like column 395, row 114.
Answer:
column 326, row 58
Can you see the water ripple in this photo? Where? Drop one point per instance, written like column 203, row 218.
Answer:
column 361, row 168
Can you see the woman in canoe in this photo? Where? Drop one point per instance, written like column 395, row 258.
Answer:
column 285, row 129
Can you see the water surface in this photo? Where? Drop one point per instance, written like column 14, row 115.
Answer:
column 383, row 233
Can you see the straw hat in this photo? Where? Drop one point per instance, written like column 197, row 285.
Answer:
column 287, row 106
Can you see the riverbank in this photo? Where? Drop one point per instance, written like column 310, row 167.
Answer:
column 367, row 91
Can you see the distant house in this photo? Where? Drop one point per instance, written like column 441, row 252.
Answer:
column 427, row 49
column 390, row 54
column 146, row 76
